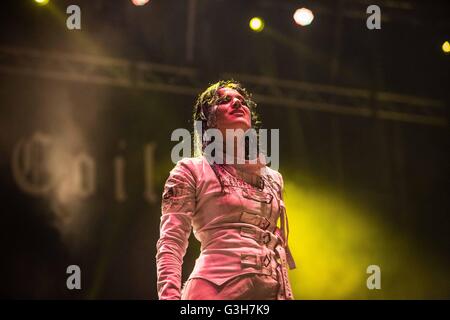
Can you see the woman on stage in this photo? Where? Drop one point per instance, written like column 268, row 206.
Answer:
column 233, row 209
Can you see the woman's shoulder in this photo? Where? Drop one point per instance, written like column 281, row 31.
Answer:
column 191, row 161
column 274, row 174
column 196, row 165
column 192, row 168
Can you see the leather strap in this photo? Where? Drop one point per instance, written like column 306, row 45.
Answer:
column 255, row 219
column 266, row 238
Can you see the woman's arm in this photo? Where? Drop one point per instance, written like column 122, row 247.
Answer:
column 285, row 224
column 178, row 206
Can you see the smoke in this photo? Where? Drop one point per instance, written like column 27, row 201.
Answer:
column 69, row 122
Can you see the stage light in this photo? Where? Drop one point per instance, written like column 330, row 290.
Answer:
column 256, row 24
column 139, row 2
column 335, row 238
column 446, row 47
column 303, row 16
column 41, row 2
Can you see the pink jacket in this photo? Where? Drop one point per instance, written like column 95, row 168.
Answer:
column 234, row 218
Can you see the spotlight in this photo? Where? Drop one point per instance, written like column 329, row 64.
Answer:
column 41, row 2
column 303, row 16
column 139, row 2
column 256, row 24
column 446, row 47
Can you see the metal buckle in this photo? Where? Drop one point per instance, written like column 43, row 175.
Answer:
column 264, row 223
column 250, row 260
column 266, row 261
column 266, row 238
column 255, row 219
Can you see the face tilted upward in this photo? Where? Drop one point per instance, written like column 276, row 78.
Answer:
column 232, row 111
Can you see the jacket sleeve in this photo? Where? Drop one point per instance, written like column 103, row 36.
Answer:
column 285, row 225
column 177, row 208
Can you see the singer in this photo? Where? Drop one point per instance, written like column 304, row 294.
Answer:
column 233, row 210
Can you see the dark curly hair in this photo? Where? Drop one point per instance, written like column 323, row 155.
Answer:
column 209, row 98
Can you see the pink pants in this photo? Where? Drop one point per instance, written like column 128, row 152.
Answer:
column 244, row 287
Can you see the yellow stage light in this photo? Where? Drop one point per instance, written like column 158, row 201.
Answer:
column 256, row 24
column 446, row 47
column 41, row 2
